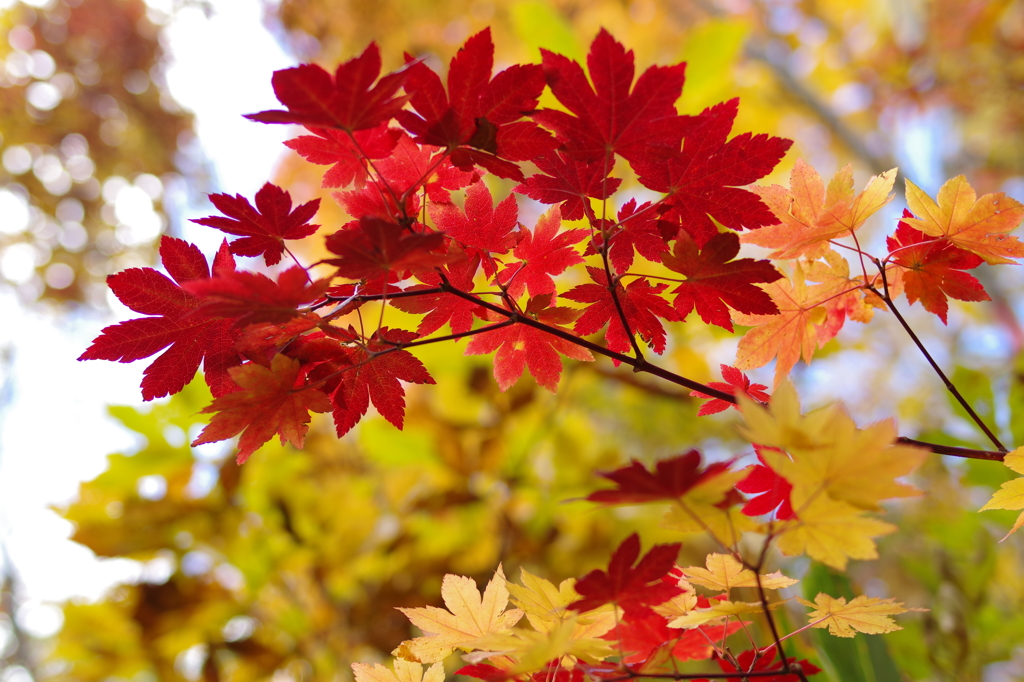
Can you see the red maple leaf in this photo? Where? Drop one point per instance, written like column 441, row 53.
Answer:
column 443, row 308
column 478, row 117
column 634, row 588
column 637, row 228
column 931, row 269
column 766, row 663
column 771, row 492
column 272, row 400
column 482, row 671
column 669, row 480
column 355, row 376
column 641, row 303
column 737, row 381
column 613, row 116
column 375, row 249
column 349, row 101
column 263, row 229
column 192, row 338
column 261, row 342
column 714, row 280
column 251, row 297
column 346, row 153
column 643, row 635
column 703, row 179
column 480, row 227
column 543, row 253
column 569, row 182
column 398, row 179
column 520, row 346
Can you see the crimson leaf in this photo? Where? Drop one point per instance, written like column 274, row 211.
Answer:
column 192, row 338
column 349, row 101
column 613, row 116
column 703, row 179
column 634, row 588
column 714, row 280
column 264, row 228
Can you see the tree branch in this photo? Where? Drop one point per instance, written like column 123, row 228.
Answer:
column 638, row 364
column 931, row 361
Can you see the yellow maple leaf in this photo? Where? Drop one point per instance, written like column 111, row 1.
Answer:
column 681, row 604
column 979, row 225
column 831, row 532
column 469, row 618
column 809, row 215
column 545, row 606
column 1011, row 494
column 532, row 650
column 725, row 572
column 869, row 615
column 717, row 611
column 404, row 671
column 825, row 451
column 800, row 327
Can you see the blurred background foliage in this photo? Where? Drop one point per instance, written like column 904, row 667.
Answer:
column 289, row 568
column 90, row 141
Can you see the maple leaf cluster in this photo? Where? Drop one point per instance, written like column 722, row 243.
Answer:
column 644, row 613
column 641, row 616
column 409, row 153
column 277, row 347
column 474, row 267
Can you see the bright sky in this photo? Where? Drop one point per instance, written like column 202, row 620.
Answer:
column 55, row 432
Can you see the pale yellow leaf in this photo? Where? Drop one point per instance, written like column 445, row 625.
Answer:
column 832, row 532
column 532, row 650
column 468, row 618
column 869, row 615
column 725, row 572
column 681, row 604
column 545, row 606
column 825, row 451
column 717, row 611
column 540, row 599
column 404, row 671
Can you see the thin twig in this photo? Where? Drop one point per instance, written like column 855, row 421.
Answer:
column 953, row 451
column 638, row 364
column 931, row 361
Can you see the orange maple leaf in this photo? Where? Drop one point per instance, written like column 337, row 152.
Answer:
column 857, row 303
column 978, row 225
column 809, row 215
column 802, row 325
column 269, row 403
